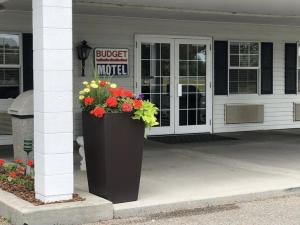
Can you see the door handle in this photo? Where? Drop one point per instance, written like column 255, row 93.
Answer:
column 179, row 90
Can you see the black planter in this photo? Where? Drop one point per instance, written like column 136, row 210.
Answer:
column 114, row 151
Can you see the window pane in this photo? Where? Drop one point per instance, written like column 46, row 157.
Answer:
column 243, row 81
column 243, row 75
column 145, row 51
column 9, row 83
column 201, row 54
column 201, row 68
column 254, row 48
column 233, row 87
column 9, row 49
column 165, row 118
column 252, row 75
column 165, row 68
column 244, row 60
column 165, row 51
column 9, row 77
column 192, row 117
column 183, row 68
column 244, row 48
column 234, row 60
column 254, row 60
column 252, row 87
column 183, row 52
column 192, row 52
column 234, row 48
column 233, row 75
column 193, row 68
column 155, row 51
column 182, row 117
column 201, row 116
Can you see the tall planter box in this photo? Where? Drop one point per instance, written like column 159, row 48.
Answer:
column 114, row 151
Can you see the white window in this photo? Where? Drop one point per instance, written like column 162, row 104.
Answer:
column 244, row 67
column 10, row 66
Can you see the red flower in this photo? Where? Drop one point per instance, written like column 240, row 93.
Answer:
column 137, row 104
column 20, row 170
column 111, row 102
column 98, row 112
column 126, row 107
column 103, row 83
column 88, row 101
column 18, row 161
column 13, row 174
column 128, row 94
column 116, row 92
column 30, row 163
column 2, row 161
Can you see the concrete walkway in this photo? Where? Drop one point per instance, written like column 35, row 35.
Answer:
column 177, row 176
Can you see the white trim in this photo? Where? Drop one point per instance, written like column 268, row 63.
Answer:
column 137, row 77
column 208, row 89
column 173, row 39
column 258, row 68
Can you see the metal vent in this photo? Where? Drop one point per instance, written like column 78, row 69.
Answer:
column 244, row 113
column 5, row 124
column 297, row 111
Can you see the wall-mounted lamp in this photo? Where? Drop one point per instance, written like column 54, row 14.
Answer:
column 83, row 51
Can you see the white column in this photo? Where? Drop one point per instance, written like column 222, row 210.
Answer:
column 53, row 116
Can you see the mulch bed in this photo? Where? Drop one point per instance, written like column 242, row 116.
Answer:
column 27, row 195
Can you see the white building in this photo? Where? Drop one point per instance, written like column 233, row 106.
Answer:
column 210, row 66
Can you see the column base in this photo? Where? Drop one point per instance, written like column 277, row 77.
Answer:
column 53, row 198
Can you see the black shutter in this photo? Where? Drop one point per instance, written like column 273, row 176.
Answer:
column 266, row 68
column 290, row 68
column 221, row 67
column 27, row 62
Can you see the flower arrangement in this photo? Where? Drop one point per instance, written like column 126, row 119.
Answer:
column 99, row 97
column 16, row 174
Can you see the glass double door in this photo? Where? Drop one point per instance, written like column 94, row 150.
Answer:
column 175, row 74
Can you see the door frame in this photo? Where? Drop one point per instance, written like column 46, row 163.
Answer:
column 195, row 128
column 137, row 79
column 209, row 81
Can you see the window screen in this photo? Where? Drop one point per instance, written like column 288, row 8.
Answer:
column 243, row 67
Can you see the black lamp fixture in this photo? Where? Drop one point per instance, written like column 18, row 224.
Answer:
column 83, row 51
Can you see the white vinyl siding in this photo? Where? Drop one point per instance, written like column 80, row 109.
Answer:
column 278, row 107
column 119, row 32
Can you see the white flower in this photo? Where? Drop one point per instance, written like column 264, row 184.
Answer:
column 94, row 85
column 113, row 85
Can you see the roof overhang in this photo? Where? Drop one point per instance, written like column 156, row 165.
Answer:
column 255, row 11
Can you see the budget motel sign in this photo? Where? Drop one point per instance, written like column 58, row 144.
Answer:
column 111, row 62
